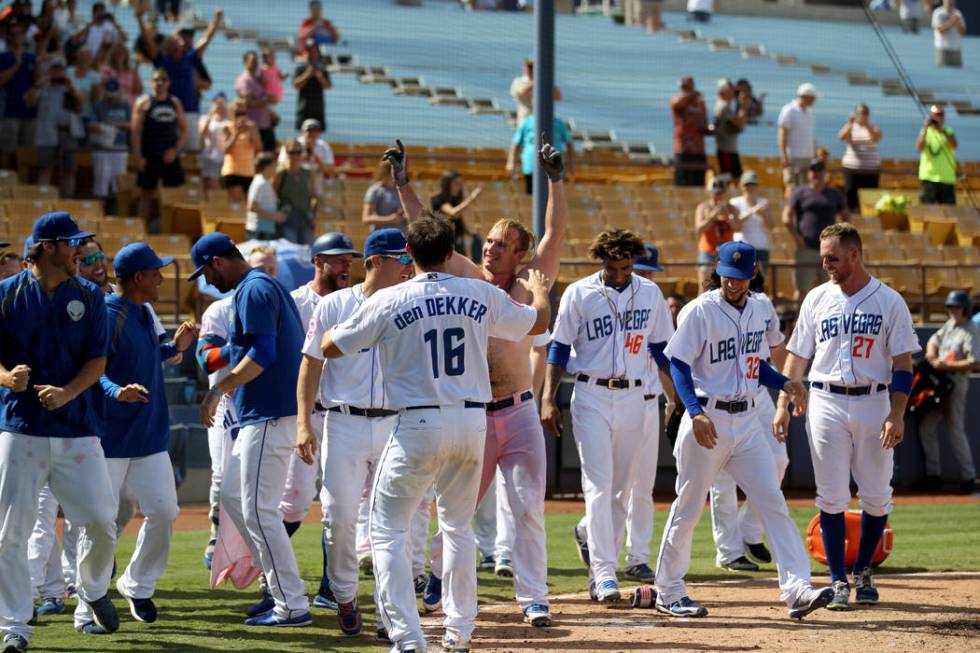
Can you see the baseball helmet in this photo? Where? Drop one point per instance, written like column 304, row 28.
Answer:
column 959, row 298
column 333, row 243
column 852, row 539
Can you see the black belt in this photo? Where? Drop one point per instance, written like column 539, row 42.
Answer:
column 319, row 408
column 850, row 391
column 612, row 384
column 466, row 404
column 727, row 406
column 507, row 402
column 363, row 412
column 649, row 397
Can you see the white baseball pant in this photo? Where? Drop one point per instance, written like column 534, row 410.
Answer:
column 639, row 513
column 433, row 446
column 297, row 497
column 485, row 522
column 843, row 433
column 608, row 425
column 252, row 486
column 220, row 439
column 69, row 554
column 29, row 463
column 351, row 447
column 741, row 451
column 732, row 527
column 150, row 480
column 43, row 552
column 503, row 546
column 419, row 534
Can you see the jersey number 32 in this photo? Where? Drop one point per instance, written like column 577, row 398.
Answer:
column 453, row 351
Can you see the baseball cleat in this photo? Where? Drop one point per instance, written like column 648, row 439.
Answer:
column 141, row 609
column 592, row 594
column 382, row 635
column 537, row 615
column 14, row 643
column 487, row 562
column 607, row 592
column 324, row 597
column 33, row 620
column 420, row 581
column 105, row 615
column 432, row 596
column 640, row 572
column 682, row 607
column 741, row 564
column 452, row 644
column 264, row 605
column 51, row 605
column 814, row 599
column 71, row 592
column 865, row 591
column 349, row 618
column 758, row 552
column 209, row 555
column 91, row 628
column 842, row 592
column 504, row 568
column 583, row 547
column 272, row 619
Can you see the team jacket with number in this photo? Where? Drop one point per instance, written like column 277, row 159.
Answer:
column 609, row 330
column 431, row 333
column 852, row 340
column 724, row 345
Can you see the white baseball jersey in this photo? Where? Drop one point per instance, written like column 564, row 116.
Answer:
column 216, row 321
column 431, row 334
column 724, row 345
column 355, row 380
column 852, row 340
column 306, row 301
column 609, row 330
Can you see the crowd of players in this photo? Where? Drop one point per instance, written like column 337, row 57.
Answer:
column 419, row 384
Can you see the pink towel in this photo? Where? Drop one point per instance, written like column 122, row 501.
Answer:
column 232, row 558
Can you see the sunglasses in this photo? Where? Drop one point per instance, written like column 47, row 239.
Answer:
column 403, row 259
column 71, row 242
column 92, row 259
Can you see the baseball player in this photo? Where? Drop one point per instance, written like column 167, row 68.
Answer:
column 358, row 418
column 858, row 333
column 515, row 442
column 265, row 337
column 137, row 424
column 431, row 333
column 53, row 340
column 717, row 360
column 608, row 326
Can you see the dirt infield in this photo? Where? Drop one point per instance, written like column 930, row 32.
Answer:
column 918, row 612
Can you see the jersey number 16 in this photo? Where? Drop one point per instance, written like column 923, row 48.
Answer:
column 453, row 349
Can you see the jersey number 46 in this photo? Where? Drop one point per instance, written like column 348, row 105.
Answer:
column 453, row 351
column 633, row 343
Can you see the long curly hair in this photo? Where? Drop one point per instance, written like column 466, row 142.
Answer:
column 617, row 244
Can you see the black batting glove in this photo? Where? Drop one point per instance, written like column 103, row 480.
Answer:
column 399, row 163
column 551, row 161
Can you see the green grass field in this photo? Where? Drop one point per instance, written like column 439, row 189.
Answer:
column 195, row 618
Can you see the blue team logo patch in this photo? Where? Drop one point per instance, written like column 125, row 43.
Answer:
column 75, row 309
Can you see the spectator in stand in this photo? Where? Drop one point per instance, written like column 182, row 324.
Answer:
column 523, row 144
column 10, row 263
column 241, row 143
column 263, row 257
column 158, row 132
column 700, row 10
column 209, row 129
column 690, row 127
column 109, row 138
column 382, row 206
column 87, row 80
column 675, row 303
column 249, row 87
column 451, row 201
column 317, row 29
column 797, row 137
column 731, row 111
column 522, row 90
column 644, row 13
column 102, row 29
column 272, row 77
column 936, row 145
column 754, row 220
column 182, row 62
column 949, row 26
column 58, row 128
column 294, row 188
column 861, row 163
column 311, row 80
column 169, row 10
column 65, row 21
column 202, row 78
column 713, row 220
column 809, row 210
column 756, row 105
column 263, row 217
column 317, row 156
column 118, row 66
column 18, row 68
column 910, row 14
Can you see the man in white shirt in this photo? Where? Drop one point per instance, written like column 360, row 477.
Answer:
column 522, row 90
column 102, row 29
column 797, row 137
column 317, row 155
column 949, row 26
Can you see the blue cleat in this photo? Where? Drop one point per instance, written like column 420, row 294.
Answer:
column 682, row 607
column 271, row 619
column 263, row 606
column 432, row 597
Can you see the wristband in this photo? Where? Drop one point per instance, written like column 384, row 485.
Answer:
column 214, row 392
column 902, row 381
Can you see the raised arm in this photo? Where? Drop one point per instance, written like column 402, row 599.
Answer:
column 203, row 43
column 147, row 36
column 398, row 160
column 547, row 258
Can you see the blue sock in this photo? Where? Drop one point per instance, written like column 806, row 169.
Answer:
column 871, row 529
column 323, row 546
column 291, row 527
column 832, row 528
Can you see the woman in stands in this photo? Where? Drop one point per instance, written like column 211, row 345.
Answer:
column 861, row 163
column 240, row 142
column 754, row 218
column 117, row 65
column 209, row 127
column 382, row 207
column 452, row 201
column 713, row 220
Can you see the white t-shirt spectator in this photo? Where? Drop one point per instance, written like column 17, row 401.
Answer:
column 262, row 193
column 801, row 128
column 321, row 149
column 753, row 229
column 524, row 104
column 701, row 5
column 951, row 39
column 99, row 33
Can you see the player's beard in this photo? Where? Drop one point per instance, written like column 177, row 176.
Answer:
column 737, row 300
column 338, row 281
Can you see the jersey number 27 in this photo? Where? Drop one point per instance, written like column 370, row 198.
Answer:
column 453, row 351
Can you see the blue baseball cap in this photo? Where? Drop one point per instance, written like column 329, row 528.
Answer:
column 333, row 243
column 206, row 248
column 736, row 260
column 650, row 261
column 137, row 257
column 385, row 241
column 57, row 225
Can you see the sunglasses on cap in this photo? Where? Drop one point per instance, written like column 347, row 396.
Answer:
column 403, row 259
column 92, row 259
